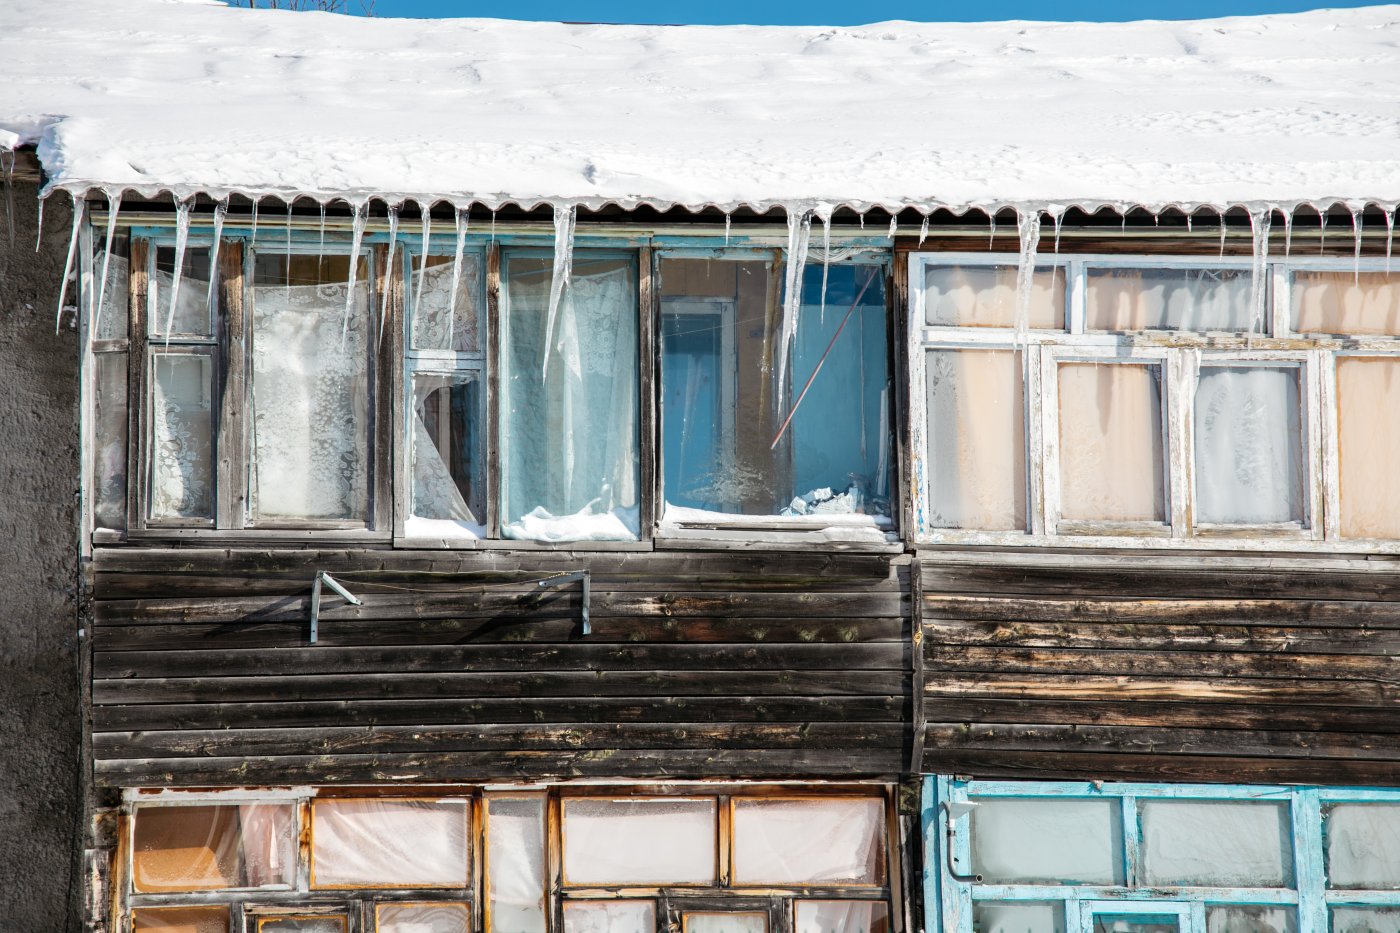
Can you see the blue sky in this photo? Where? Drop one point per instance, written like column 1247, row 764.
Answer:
column 832, row 12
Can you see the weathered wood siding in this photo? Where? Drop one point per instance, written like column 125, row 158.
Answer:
column 1171, row 670
column 459, row 667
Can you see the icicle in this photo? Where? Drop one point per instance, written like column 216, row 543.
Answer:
column 727, row 219
column 1389, row 236
column 253, row 237
column 493, row 226
column 7, row 170
column 1123, row 213
column 923, row 230
column 114, row 206
column 220, row 211
column 39, row 234
column 393, row 210
column 182, row 236
column 288, row 245
column 321, row 243
column 894, row 226
column 1322, row 229
column 1057, row 215
column 1189, row 215
column 1288, row 232
column 463, row 220
column 79, row 207
column 826, row 261
column 1028, row 232
column 359, row 214
column 862, row 220
column 1223, row 229
column 1356, row 224
column 564, row 220
column 426, row 218
column 992, row 223
column 799, row 234
column 1259, row 222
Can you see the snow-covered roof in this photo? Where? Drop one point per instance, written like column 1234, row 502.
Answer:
column 192, row 96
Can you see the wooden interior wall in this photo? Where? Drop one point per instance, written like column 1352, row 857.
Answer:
column 460, row 667
column 1163, row 670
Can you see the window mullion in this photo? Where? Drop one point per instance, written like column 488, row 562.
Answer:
column 493, row 388
column 387, row 294
column 1180, row 369
column 1036, row 458
column 1331, row 478
column 649, row 433
column 1049, row 417
column 1309, row 876
column 231, row 479
column 137, row 402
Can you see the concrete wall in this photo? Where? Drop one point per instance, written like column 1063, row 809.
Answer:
column 40, row 708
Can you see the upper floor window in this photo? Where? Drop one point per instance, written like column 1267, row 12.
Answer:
column 1153, row 399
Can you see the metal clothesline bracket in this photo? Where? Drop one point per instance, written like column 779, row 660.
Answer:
column 328, row 580
column 577, row 576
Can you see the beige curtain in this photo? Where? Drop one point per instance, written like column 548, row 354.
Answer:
column 1111, row 443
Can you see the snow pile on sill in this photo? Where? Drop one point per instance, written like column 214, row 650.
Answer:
column 186, row 96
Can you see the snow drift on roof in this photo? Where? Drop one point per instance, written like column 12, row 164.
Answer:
column 189, row 96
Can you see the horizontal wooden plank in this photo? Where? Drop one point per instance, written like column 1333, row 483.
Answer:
column 497, row 765
column 1100, row 688
column 1345, row 614
column 579, row 656
column 582, row 684
column 200, row 715
column 1329, row 667
column 607, row 630
column 1260, row 716
column 1150, row 637
column 856, row 737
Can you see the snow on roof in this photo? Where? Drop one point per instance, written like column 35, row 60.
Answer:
column 191, row 96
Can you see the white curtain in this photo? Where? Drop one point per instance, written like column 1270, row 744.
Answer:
column 435, row 491
column 655, row 841
column 191, row 304
column 1169, row 299
column 1111, row 442
column 808, row 841
column 1216, row 843
column 1368, row 441
column 1346, row 302
column 437, row 326
column 840, row 917
column 269, row 844
column 204, row 848
column 610, row 917
column 1028, row 841
column 389, row 843
column 1363, row 845
column 182, row 450
column 1248, row 445
column 985, row 296
column 515, row 846
column 424, row 918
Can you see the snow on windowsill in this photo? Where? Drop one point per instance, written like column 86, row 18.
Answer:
column 442, row 529
column 620, row 524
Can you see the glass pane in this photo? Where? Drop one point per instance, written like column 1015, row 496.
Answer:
column 435, row 325
column 181, row 920
column 985, row 296
column 992, row 917
column 1249, row 447
column 203, row 848
column 449, row 482
column 309, row 924
column 840, row 917
column 191, row 314
column 1366, row 920
column 1253, row 919
column 109, row 440
column 1111, row 443
column 809, row 841
column 609, row 917
column 1136, row 923
column 1168, row 299
column 568, row 404
column 423, row 918
column 182, row 436
column 1368, row 441
column 310, row 390
column 976, row 440
column 389, row 843
column 515, row 864
column 694, row 921
column 639, row 841
column 1047, row 841
column 1343, row 302
column 1363, row 845
column 1218, row 843
column 111, row 320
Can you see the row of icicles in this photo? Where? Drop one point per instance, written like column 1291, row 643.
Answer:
column 799, row 227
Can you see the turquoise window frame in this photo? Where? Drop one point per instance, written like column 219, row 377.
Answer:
column 950, row 893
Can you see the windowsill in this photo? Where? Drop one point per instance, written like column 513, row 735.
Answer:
column 686, row 527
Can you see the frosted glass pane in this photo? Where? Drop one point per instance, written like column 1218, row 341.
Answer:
column 310, row 390
column 1368, row 441
column 205, row 848
column 991, row 917
column 1363, row 845
column 568, row 405
column 515, row 864
column 389, row 843
column 423, row 918
column 610, row 917
column 1341, row 302
column 192, row 317
column 109, row 440
column 1216, row 843
column 1047, row 841
column 1168, row 299
column 1253, row 919
column 639, row 841
column 302, row 925
column 111, row 321
column 840, row 917
column 985, row 296
column 449, row 480
column 182, row 436
column 437, row 326
column 1136, row 923
column 181, row 920
column 1111, row 443
column 1366, row 920
column 976, row 464
column 1248, row 445
column 724, row 922
column 808, row 841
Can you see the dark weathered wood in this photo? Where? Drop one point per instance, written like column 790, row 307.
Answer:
column 230, row 330
column 917, row 719
column 1042, row 766
column 493, row 388
column 1305, row 667
column 1184, row 689
column 1145, row 637
column 649, row 425
column 138, row 301
column 387, row 342
column 1341, row 614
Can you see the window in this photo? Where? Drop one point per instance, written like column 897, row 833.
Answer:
column 1155, row 401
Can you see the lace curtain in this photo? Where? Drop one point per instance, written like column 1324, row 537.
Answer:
column 182, row 440
column 1248, row 445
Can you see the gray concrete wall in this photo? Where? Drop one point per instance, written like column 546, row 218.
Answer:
column 40, row 707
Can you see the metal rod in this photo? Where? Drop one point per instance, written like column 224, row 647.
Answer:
column 328, row 580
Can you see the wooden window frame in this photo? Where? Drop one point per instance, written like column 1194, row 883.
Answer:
column 1183, row 354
